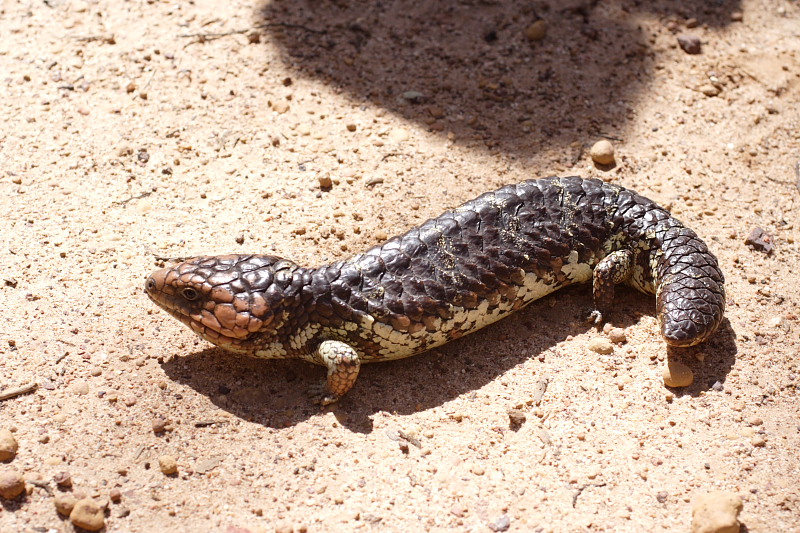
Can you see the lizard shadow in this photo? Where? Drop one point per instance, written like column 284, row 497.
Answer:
column 274, row 393
column 710, row 362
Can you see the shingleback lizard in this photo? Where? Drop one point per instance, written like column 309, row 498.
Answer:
column 451, row 276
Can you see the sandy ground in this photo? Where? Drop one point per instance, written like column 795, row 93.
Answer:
column 133, row 131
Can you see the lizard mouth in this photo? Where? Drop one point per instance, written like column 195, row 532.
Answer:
column 218, row 324
column 223, row 338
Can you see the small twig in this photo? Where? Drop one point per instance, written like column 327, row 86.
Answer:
column 394, row 154
column 581, row 489
column 163, row 259
column 202, row 37
column 11, row 393
column 41, row 484
column 138, row 453
column 797, row 175
column 60, row 358
column 146, row 85
column 610, row 137
column 137, row 197
column 206, row 423
column 108, row 39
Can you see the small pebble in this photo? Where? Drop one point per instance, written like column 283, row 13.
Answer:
column 458, row 510
column 284, row 527
column 80, row 387
column 600, row 345
column 690, row 43
column 516, row 417
column 159, row 425
column 676, row 374
column 325, row 181
column 65, row 503
column 63, row 479
column 709, row 90
column 758, row 441
column 168, row 465
column 415, row 97
column 8, row 445
column 115, row 495
column 280, row 107
column 88, row 514
column 436, row 111
column 351, row 127
column 716, row 512
column 536, row 31
column 602, row 152
column 501, row 524
column 617, row 336
column 398, row 135
column 760, row 240
column 12, row 484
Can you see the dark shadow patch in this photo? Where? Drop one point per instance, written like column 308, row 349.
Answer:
column 275, row 393
column 718, row 358
column 469, row 68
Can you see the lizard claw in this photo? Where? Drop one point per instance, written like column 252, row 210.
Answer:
column 320, row 395
column 595, row 317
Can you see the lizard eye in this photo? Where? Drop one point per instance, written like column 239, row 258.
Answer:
column 189, row 294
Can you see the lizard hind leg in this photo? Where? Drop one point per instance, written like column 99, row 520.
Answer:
column 343, row 365
column 613, row 269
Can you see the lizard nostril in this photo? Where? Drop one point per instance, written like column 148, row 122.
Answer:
column 150, row 285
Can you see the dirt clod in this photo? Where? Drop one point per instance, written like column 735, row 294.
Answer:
column 677, row 374
column 602, row 152
column 88, row 514
column 716, row 512
column 12, row 484
column 8, row 445
column 168, row 465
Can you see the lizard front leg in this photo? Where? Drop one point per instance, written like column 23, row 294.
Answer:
column 343, row 365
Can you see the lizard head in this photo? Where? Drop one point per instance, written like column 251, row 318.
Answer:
column 236, row 302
